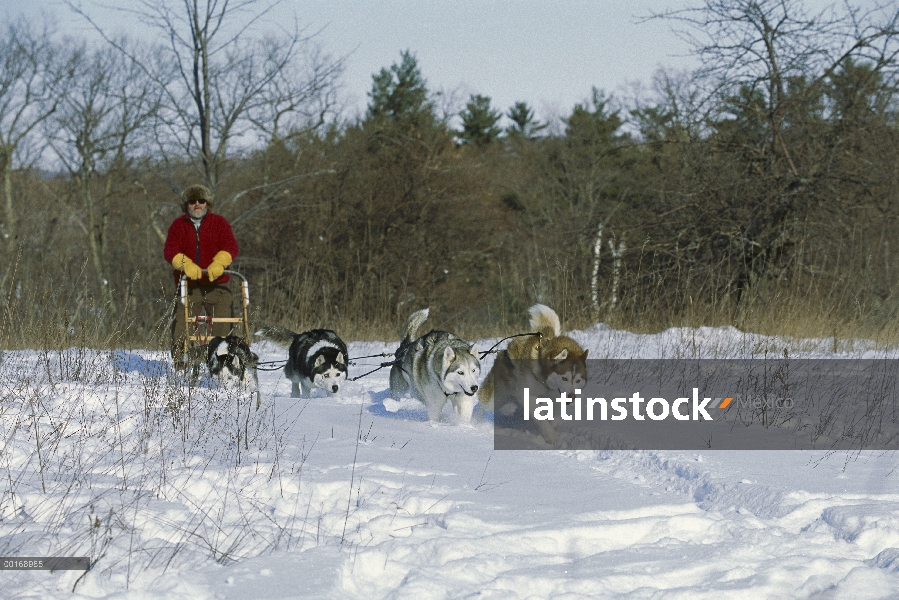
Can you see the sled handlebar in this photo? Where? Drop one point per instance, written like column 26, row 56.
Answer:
column 244, row 286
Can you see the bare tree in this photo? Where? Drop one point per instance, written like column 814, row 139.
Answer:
column 215, row 74
column 30, row 76
column 300, row 97
column 94, row 132
column 763, row 45
column 766, row 68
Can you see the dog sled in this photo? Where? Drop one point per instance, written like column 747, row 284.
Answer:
column 230, row 356
column 198, row 329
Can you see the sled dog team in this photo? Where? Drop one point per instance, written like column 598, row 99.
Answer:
column 435, row 368
column 439, row 367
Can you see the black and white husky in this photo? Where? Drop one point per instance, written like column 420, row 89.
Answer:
column 315, row 359
column 230, row 359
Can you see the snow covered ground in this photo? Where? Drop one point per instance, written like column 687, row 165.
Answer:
column 181, row 493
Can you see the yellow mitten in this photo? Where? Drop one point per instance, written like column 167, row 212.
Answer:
column 218, row 265
column 189, row 267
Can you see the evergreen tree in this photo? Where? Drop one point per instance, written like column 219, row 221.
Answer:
column 857, row 93
column 523, row 123
column 743, row 121
column 588, row 163
column 479, row 121
column 399, row 95
column 591, row 124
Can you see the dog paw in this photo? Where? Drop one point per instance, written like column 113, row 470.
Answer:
column 549, row 434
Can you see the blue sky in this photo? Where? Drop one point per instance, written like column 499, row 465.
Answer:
column 548, row 54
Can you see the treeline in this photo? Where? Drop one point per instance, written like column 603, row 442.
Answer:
column 761, row 190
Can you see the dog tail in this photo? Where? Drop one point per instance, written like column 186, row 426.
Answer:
column 414, row 321
column 279, row 335
column 545, row 320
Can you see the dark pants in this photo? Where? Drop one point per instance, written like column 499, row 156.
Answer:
column 209, row 300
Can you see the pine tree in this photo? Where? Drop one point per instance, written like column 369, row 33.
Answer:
column 523, row 123
column 592, row 124
column 399, row 95
column 479, row 121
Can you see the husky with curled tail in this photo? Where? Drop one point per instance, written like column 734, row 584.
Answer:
column 549, row 363
column 315, row 359
column 436, row 368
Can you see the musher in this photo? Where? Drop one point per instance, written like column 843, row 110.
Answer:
column 200, row 239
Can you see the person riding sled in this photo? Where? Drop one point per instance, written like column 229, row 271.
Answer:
column 200, row 239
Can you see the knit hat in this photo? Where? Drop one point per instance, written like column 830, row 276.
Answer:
column 196, row 192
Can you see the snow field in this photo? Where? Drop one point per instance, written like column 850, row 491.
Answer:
column 197, row 495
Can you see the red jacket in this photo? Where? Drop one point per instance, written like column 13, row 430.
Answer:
column 201, row 246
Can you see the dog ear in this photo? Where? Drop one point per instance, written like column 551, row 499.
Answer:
column 340, row 358
column 448, row 356
column 474, row 350
column 319, row 361
column 584, row 355
column 561, row 355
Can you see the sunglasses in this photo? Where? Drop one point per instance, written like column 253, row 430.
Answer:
column 200, row 201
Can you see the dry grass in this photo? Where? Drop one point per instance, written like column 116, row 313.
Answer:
column 38, row 312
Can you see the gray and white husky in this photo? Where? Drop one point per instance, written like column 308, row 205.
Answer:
column 315, row 359
column 435, row 368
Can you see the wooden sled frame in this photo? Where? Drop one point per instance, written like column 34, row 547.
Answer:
column 202, row 339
